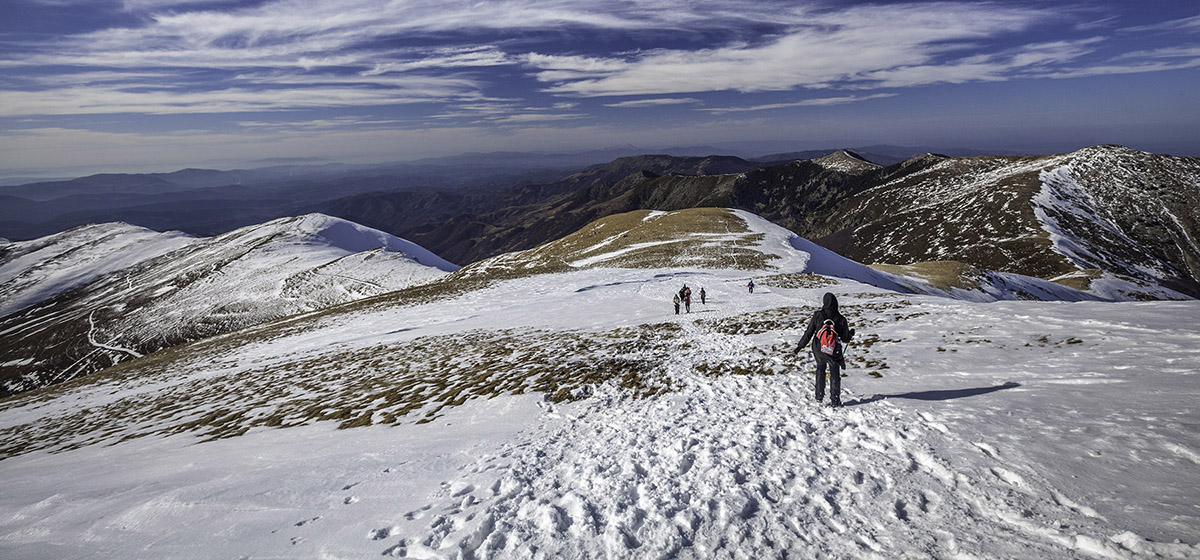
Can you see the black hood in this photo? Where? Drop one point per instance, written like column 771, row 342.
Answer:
column 830, row 304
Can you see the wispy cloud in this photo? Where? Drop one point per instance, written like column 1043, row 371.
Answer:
column 527, row 118
column 1025, row 61
column 846, row 48
column 115, row 100
column 817, row 102
column 321, row 124
column 1185, row 24
column 314, row 41
column 659, row 102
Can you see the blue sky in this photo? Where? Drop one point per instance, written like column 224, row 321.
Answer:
column 138, row 85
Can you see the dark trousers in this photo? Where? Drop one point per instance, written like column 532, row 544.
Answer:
column 835, row 378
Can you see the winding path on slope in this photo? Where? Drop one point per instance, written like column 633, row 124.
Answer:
column 744, row 466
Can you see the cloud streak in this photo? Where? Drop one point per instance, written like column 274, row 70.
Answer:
column 880, row 46
column 817, row 102
column 659, row 102
column 117, row 100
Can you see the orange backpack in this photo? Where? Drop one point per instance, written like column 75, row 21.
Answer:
column 828, row 339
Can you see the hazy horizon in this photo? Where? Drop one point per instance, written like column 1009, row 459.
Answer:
column 159, row 85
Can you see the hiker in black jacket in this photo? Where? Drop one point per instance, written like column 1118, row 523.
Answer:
column 828, row 312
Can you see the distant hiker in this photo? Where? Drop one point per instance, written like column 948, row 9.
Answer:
column 702, row 297
column 751, row 286
column 685, row 295
column 828, row 331
column 676, row 304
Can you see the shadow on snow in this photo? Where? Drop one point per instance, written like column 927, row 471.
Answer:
column 938, row 395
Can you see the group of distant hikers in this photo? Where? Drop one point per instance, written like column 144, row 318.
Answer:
column 685, row 296
column 827, row 330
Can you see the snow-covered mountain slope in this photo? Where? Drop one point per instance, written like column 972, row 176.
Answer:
column 723, row 238
column 1108, row 212
column 37, row 270
column 147, row 302
column 533, row 409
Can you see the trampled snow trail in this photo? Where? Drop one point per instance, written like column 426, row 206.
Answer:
column 745, row 467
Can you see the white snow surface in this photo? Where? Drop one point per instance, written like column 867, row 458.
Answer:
column 37, row 270
column 355, row 238
column 1014, row 429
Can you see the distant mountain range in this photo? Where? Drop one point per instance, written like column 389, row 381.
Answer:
column 1098, row 214
column 209, row 202
column 1105, row 222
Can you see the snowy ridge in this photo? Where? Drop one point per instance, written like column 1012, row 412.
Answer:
column 208, row 286
column 355, row 238
column 1127, row 215
column 37, row 270
column 1060, row 195
column 1083, row 230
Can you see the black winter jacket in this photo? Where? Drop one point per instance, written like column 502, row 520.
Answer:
column 828, row 311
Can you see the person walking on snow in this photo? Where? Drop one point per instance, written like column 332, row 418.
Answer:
column 751, row 286
column 676, row 304
column 687, row 299
column 702, row 297
column 828, row 316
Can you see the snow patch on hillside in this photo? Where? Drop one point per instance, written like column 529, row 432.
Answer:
column 797, row 254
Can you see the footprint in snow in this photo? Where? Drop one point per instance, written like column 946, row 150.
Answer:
column 382, row 533
column 930, row 501
column 417, row 514
column 685, row 464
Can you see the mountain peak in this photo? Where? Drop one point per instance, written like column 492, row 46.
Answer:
column 346, row 236
column 846, row 162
